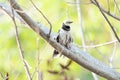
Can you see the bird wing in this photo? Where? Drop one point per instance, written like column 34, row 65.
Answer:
column 70, row 39
column 58, row 37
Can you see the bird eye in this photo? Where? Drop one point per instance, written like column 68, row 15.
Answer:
column 67, row 27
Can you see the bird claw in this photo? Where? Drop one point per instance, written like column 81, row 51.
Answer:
column 48, row 35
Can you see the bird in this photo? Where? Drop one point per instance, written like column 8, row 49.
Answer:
column 64, row 36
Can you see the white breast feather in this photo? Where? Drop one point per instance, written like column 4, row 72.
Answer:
column 64, row 37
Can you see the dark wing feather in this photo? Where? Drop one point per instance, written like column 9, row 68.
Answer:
column 55, row 53
column 70, row 40
column 57, row 39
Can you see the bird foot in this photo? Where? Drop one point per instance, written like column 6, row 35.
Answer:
column 48, row 35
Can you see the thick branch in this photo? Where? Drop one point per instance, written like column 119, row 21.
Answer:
column 82, row 58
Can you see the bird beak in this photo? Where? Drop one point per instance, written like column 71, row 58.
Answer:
column 70, row 22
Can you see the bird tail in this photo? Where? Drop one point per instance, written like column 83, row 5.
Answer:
column 55, row 53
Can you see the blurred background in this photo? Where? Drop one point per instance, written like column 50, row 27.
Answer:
column 96, row 31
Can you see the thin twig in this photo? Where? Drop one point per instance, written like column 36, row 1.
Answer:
column 117, row 6
column 80, row 23
column 38, row 59
column 38, row 56
column 7, row 10
column 107, row 12
column 108, row 21
column 103, row 44
column 7, row 76
column 44, row 17
column 115, row 10
column 34, row 72
column 108, row 1
column 2, row 75
column 113, row 55
column 100, row 45
column 67, row 14
column 111, row 58
column 19, row 45
column 40, row 75
column 66, row 67
column 82, row 32
column 78, row 2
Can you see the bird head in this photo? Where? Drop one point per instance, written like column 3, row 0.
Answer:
column 66, row 25
column 67, row 22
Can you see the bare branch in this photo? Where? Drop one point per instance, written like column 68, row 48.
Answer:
column 40, row 75
column 115, row 46
column 117, row 6
column 38, row 56
column 80, row 24
column 82, row 32
column 19, row 44
column 7, row 76
column 113, row 55
column 108, row 1
column 43, row 16
column 2, row 75
column 100, row 45
column 78, row 2
column 107, row 21
column 66, row 67
column 6, row 8
column 107, row 12
column 75, row 54
column 115, row 9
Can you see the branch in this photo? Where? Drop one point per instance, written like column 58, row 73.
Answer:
column 7, row 76
column 108, row 5
column 8, row 11
column 1, row 75
column 77, row 2
column 19, row 45
column 44, row 17
column 80, row 23
column 82, row 32
column 107, row 12
column 107, row 21
column 117, row 6
column 80, row 57
column 100, row 45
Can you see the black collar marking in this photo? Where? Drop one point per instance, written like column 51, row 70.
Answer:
column 65, row 27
